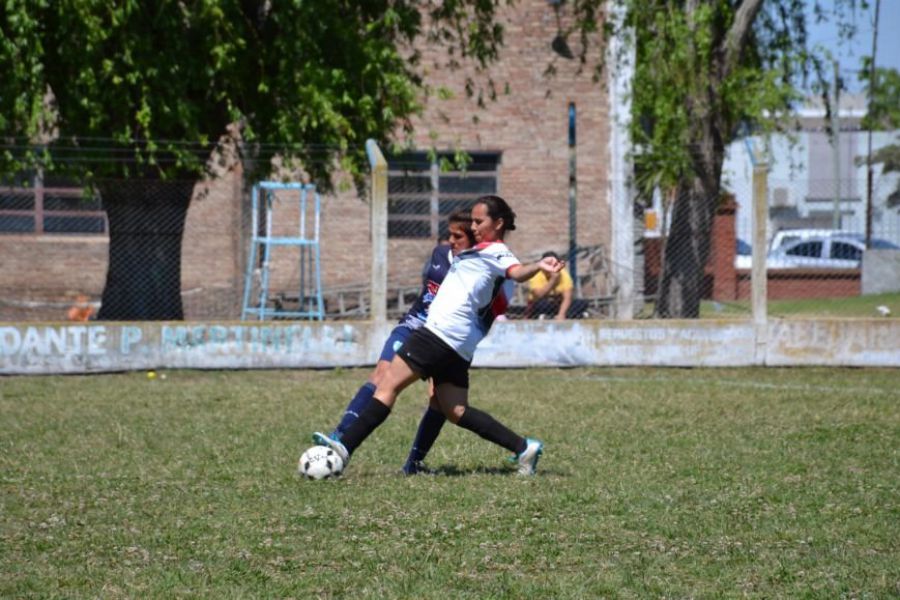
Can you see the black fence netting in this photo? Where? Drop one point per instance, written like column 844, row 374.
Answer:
column 153, row 250
column 111, row 251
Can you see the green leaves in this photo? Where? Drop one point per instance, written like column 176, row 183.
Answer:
column 304, row 80
column 884, row 109
column 682, row 82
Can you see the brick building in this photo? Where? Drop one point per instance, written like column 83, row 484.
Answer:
column 519, row 143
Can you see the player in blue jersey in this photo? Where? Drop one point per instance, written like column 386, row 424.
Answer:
column 442, row 350
column 460, row 237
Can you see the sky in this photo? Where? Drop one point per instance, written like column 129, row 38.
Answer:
column 850, row 54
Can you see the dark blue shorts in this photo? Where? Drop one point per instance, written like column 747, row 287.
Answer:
column 397, row 338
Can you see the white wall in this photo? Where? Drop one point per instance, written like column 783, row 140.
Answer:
column 101, row 347
column 789, row 169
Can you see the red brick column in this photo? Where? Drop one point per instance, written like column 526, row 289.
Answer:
column 652, row 264
column 723, row 247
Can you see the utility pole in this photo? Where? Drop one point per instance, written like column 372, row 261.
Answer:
column 836, row 147
column 572, row 256
column 869, row 152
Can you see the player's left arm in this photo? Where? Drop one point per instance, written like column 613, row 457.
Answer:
column 548, row 265
column 427, row 266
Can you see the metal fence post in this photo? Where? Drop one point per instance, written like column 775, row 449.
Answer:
column 758, row 274
column 379, row 216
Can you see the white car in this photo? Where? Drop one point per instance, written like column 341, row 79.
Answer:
column 784, row 237
column 823, row 253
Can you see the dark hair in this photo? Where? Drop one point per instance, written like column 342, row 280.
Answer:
column 550, row 253
column 497, row 208
column 463, row 217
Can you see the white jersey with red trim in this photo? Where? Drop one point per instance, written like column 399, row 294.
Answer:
column 471, row 296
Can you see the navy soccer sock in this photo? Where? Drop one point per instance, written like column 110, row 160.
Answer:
column 370, row 417
column 429, row 428
column 491, row 429
column 362, row 397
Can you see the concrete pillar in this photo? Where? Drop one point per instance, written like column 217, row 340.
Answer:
column 379, row 212
column 758, row 274
column 620, row 58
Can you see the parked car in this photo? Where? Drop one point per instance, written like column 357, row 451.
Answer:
column 827, row 252
column 785, row 237
column 743, row 258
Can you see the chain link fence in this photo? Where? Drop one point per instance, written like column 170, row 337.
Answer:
column 820, row 257
column 831, row 249
column 151, row 250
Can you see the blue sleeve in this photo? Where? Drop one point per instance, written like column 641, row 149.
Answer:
column 432, row 260
column 426, row 267
column 437, row 260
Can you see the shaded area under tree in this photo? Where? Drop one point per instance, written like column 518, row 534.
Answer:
column 146, row 224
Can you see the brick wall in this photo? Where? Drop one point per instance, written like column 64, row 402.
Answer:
column 527, row 124
column 212, row 249
column 42, row 275
column 723, row 248
column 793, row 284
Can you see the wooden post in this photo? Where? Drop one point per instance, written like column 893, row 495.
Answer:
column 758, row 274
column 379, row 216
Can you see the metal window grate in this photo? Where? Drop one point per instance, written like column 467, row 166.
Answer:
column 421, row 194
column 51, row 210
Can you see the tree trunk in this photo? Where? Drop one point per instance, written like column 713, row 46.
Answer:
column 687, row 246
column 686, row 253
column 146, row 223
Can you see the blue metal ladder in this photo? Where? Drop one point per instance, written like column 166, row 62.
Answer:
column 310, row 304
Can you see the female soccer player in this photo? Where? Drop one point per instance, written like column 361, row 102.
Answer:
column 460, row 237
column 460, row 316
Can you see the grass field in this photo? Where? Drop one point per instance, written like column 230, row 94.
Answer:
column 763, row 483
column 854, row 306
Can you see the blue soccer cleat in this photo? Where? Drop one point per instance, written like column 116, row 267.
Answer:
column 332, row 442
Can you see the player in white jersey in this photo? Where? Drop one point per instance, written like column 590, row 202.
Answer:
column 464, row 314
column 460, row 316
column 459, row 237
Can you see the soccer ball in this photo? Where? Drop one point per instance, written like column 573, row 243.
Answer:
column 320, row 462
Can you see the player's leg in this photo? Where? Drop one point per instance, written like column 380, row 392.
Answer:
column 453, row 394
column 395, row 340
column 418, row 358
column 361, row 398
column 429, row 428
column 397, row 377
column 363, row 394
column 453, row 399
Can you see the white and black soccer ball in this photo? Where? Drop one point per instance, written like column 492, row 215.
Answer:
column 320, row 462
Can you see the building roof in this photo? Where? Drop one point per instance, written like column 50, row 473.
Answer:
column 811, row 114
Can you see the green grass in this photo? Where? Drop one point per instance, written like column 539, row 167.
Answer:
column 856, row 306
column 761, row 483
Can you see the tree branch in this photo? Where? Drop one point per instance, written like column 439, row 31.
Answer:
column 737, row 35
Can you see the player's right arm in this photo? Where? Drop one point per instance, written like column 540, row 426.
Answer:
column 548, row 265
